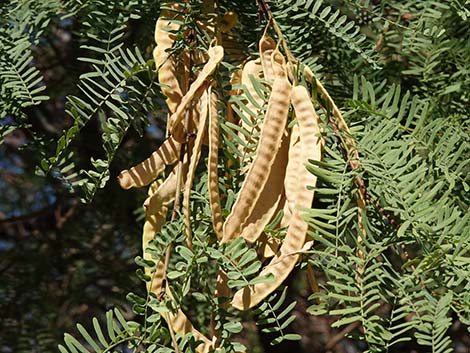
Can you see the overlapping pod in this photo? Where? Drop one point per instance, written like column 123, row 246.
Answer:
column 289, row 253
column 216, row 55
column 195, row 154
column 147, row 171
column 271, row 134
column 212, row 172
column 167, row 67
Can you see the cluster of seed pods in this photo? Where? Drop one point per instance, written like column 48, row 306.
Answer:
column 275, row 177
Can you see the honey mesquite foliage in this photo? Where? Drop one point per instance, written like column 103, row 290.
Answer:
column 330, row 137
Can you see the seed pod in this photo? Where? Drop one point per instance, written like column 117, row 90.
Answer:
column 289, row 253
column 195, row 154
column 212, row 172
column 267, row 45
column 269, row 197
column 278, row 63
column 271, row 134
column 165, row 36
column 216, row 55
column 291, row 180
column 155, row 218
column 147, row 171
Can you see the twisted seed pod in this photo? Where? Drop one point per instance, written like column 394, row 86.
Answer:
column 155, row 217
column 267, row 45
column 289, row 253
column 216, row 55
column 195, row 154
column 147, row 171
column 291, row 181
column 156, row 212
column 269, row 197
column 271, row 134
column 166, row 192
column 213, row 175
column 278, row 63
column 166, row 66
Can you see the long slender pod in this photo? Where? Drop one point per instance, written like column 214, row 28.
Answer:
column 216, row 55
column 194, row 159
column 291, row 180
column 271, row 134
column 289, row 253
column 212, row 163
column 155, row 218
column 167, row 67
column 147, row 171
column 269, row 197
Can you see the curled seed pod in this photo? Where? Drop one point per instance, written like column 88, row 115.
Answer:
column 195, row 154
column 291, row 181
column 216, row 55
column 271, row 134
column 165, row 36
column 269, row 197
column 147, row 171
column 289, row 253
column 213, row 175
column 267, row 45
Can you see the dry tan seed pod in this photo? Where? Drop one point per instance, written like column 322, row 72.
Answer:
column 194, row 159
column 166, row 65
column 291, row 180
column 278, row 63
column 212, row 163
column 269, row 198
column 267, row 45
column 147, row 171
column 216, row 55
column 271, row 134
column 289, row 253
